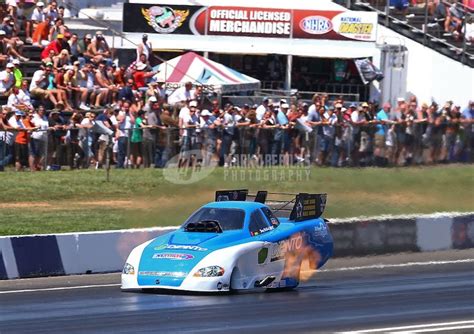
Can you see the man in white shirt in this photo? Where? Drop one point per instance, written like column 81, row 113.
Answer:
column 185, row 93
column 262, row 108
column 18, row 100
column 124, row 126
column 38, row 13
column 39, row 85
column 7, row 79
column 38, row 138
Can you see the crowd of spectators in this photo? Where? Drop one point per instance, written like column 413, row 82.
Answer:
column 102, row 113
column 279, row 132
column 454, row 17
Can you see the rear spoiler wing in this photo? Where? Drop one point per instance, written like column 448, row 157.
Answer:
column 305, row 206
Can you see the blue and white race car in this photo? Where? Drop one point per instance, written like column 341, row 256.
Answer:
column 235, row 244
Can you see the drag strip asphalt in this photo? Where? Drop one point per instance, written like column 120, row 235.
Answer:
column 414, row 291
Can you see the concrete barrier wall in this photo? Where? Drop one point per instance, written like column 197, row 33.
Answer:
column 99, row 252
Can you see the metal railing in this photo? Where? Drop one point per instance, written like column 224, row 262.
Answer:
column 387, row 143
column 422, row 24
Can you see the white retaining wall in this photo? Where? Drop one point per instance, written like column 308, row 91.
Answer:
column 98, row 252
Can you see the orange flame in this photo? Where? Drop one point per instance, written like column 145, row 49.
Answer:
column 300, row 259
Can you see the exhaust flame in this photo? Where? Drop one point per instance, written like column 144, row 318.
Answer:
column 300, row 261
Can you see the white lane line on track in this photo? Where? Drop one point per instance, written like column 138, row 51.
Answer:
column 438, row 329
column 375, row 266
column 419, row 328
column 398, row 265
column 61, row 288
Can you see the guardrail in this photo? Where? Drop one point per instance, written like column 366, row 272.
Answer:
column 341, row 143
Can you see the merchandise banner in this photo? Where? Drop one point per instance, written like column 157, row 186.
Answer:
column 249, row 22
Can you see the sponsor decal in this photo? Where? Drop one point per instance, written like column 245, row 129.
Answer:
column 157, row 281
column 266, row 229
column 316, row 25
column 355, row 25
column 320, row 230
column 184, row 247
column 173, row 256
column 262, row 255
column 284, row 246
column 164, row 20
column 163, row 273
column 219, row 286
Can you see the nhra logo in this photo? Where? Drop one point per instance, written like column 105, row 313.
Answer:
column 316, row 25
column 173, row 256
column 164, row 19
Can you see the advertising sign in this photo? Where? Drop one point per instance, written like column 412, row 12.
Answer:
column 360, row 26
column 250, row 22
column 160, row 19
column 256, row 22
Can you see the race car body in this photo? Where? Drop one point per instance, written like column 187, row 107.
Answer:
column 234, row 245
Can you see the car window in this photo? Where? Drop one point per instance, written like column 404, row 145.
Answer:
column 258, row 224
column 271, row 217
column 228, row 219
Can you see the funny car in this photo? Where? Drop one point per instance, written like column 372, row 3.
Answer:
column 235, row 243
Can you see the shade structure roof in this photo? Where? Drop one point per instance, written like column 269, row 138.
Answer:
column 202, row 71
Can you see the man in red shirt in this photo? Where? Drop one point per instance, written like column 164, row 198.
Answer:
column 140, row 77
column 55, row 45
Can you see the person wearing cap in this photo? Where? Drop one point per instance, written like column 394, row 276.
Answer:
column 7, row 79
column 156, row 89
column 208, row 127
column 281, row 138
column 55, row 46
column 144, row 48
column 141, row 77
column 7, row 25
column 37, row 16
column 189, row 125
column 17, row 73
